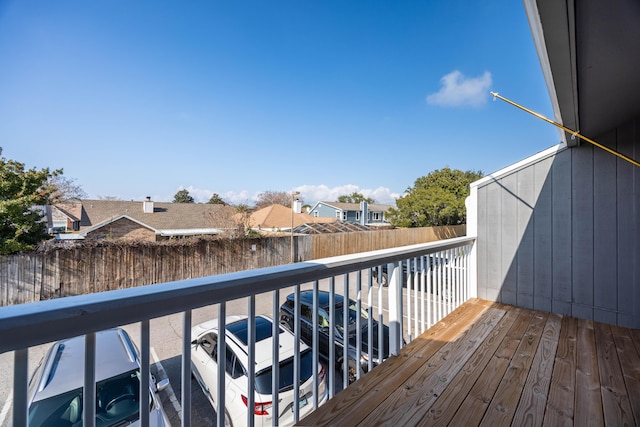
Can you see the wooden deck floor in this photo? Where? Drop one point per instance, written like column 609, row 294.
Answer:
column 496, row 365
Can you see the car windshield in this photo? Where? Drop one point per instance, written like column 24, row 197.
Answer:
column 56, row 410
column 353, row 313
column 263, row 378
column 116, row 402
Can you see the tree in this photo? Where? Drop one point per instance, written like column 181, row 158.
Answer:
column 65, row 189
column 355, row 198
column 435, row 199
column 21, row 223
column 269, row 198
column 183, row 196
column 216, row 200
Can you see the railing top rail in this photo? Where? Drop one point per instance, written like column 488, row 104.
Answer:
column 27, row 325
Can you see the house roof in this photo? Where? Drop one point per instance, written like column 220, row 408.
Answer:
column 73, row 211
column 590, row 56
column 165, row 216
column 278, row 216
column 329, row 227
column 356, row 206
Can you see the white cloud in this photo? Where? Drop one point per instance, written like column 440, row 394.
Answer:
column 321, row 193
column 311, row 194
column 458, row 90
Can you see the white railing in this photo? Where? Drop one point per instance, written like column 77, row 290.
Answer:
column 425, row 282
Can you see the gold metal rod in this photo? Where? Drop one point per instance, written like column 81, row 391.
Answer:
column 566, row 129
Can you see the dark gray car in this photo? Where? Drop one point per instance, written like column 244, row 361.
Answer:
column 306, row 328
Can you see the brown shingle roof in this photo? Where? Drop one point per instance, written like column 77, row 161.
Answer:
column 72, row 210
column 165, row 215
column 278, row 216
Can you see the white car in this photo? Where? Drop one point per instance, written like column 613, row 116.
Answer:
column 56, row 387
column 205, row 369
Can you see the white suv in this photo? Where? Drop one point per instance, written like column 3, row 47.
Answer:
column 205, row 369
column 55, row 389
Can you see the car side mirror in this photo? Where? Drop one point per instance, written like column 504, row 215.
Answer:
column 161, row 385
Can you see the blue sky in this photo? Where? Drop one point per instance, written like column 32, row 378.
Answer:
column 141, row 98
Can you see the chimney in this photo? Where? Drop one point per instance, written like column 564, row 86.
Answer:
column 147, row 205
column 297, row 206
column 364, row 213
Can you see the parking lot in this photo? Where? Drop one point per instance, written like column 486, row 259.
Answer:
column 166, row 344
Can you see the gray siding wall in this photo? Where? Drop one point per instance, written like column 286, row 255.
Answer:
column 563, row 234
column 324, row 211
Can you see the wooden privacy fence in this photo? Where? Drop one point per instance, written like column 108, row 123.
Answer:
column 327, row 245
column 84, row 269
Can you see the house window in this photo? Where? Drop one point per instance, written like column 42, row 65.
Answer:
column 375, row 216
column 315, row 213
column 358, row 216
column 338, row 214
column 344, row 215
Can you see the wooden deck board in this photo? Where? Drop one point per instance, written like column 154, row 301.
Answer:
column 588, row 400
column 560, row 404
column 615, row 401
column 445, row 408
column 405, row 405
column 476, row 402
column 503, row 405
column 535, row 392
column 628, row 356
column 494, row 364
column 396, row 370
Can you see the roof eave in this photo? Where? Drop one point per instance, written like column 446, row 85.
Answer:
column 557, row 56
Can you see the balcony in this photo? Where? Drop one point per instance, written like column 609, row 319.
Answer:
column 439, row 281
column 455, row 359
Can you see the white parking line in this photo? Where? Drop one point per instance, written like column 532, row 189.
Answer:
column 172, row 396
column 6, row 407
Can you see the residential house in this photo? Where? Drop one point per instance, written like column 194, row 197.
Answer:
column 135, row 220
column 64, row 217
column 277, row 218
column 369, row 214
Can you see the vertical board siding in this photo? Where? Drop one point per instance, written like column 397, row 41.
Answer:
column 582, row 224
column 542, row 220
column 627, row 212
column 81, row 270
column 493, row 229
column 585, row 245
column 525, row 255
column 482, row 244
column 561, row 233
column 604, row 233
column 510, row 238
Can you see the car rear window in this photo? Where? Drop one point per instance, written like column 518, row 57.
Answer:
column 263, row 378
